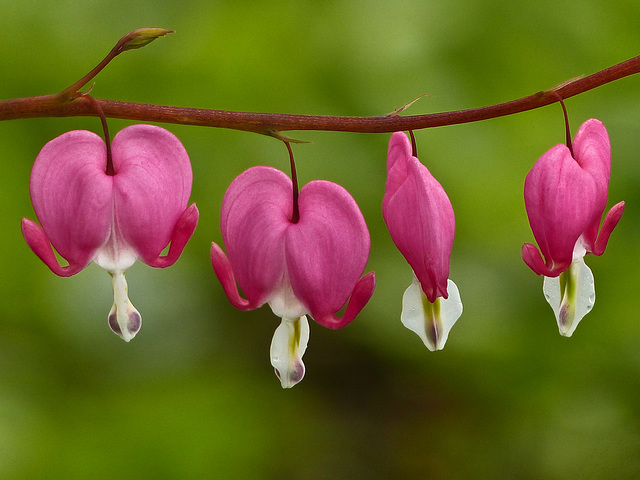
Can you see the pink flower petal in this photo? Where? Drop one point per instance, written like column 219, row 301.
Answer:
column 182, row 231
column 72, row 197
column 360, row 295
column 256, row 211
column 41, row 246
column 610, row 222
column 592, row 151
column 560, row 198
column 531, row 256
column 327, row 250
column 419, row 217
column 224, row 272
column 152, row 185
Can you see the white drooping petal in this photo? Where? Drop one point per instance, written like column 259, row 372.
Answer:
column 287, row 348
column 571, row 295
column 124, row 319
column 431, row 321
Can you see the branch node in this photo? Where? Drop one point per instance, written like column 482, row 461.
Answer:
column 280, row 136
column 560, row 86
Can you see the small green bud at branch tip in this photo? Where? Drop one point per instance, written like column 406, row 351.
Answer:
column 142, row 36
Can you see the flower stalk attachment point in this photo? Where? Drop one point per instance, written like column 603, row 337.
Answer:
column 421, row 222
column 88, row 215
column 309, row 267
column 565, row 196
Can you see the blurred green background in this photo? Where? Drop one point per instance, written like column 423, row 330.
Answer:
column 194, row 395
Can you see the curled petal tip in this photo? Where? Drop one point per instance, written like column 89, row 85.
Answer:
column 41, row 246
column 361, row 294
column 182, row 232
column 224, row 272
column 610, row 222
column 532, row 257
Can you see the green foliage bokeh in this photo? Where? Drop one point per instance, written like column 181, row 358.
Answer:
column 193, row 395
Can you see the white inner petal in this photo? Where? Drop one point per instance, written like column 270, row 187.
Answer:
column 287, row 348
column 431, row 321
column 115, row 255
column 284, row 303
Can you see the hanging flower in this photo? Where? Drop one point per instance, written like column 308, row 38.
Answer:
column 88, row 215
column 309, row 266
column 421, row 222
column 565, row 196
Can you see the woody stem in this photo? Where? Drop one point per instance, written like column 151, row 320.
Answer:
column 272, row 123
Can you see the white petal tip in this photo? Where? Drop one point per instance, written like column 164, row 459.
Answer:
column 292, row 377
column 132, row 324
column 124, row 320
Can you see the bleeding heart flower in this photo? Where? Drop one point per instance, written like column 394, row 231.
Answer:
column 89, row 215
column 421, row 222
column 565, row 196
column 309, row 266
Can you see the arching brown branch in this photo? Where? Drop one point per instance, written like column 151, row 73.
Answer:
column 271, row 123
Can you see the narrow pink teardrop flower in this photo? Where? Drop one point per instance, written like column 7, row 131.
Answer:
column 421, row 222
column 565, row 196
column 310, row 267
column 112, row 220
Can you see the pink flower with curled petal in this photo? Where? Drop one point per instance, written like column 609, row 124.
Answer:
column 565, row 196
column 312, row 266
column 421, row 222
column 88, row 215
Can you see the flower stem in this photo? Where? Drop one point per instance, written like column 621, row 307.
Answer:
column 566, row 125
column 109, row 170
column 295, row 216
column 414, row 146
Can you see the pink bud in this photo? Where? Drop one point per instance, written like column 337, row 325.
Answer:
column 419, row 216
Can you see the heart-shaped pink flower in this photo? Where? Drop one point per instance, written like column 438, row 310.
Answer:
column 312, row 266
column 88, row 215
column 565, row 195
